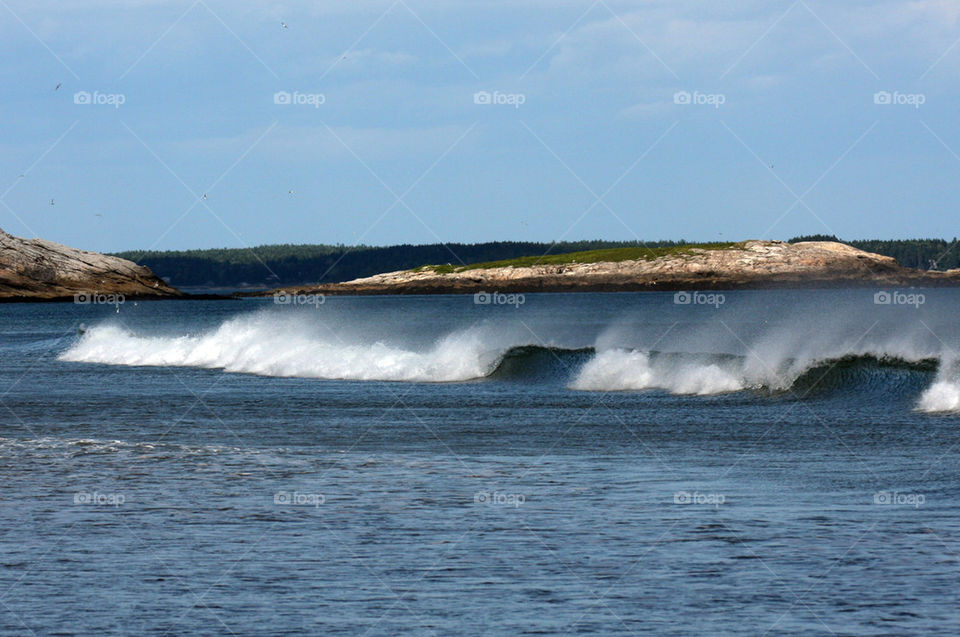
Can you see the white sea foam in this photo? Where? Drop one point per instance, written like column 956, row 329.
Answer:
column 269, row 346
column 619, row 370
column 944, row 394
column 774, row 361
column 697, row 361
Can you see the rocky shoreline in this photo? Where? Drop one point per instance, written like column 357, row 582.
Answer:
column 747, row 265
column 40, row 270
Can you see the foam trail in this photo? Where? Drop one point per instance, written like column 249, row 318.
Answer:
column 758, row 347
column 773, row 363
column 944, row 394
column 620, row 370
column 269, row 346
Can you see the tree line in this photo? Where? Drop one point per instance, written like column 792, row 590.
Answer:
column 287, row 264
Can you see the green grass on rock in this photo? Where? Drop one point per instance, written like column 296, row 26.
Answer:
column 612, row 255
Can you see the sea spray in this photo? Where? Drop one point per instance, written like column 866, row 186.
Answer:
column 944, row 394
column 268, row 345
column 619, row 370
column 795, row 354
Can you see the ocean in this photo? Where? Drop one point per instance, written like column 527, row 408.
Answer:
column 727, row 463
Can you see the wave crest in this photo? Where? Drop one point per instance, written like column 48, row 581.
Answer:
column 265, row 347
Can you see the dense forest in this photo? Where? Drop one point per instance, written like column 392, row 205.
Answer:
column 275, row 265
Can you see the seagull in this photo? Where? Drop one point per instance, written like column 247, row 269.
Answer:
column 52, row 202
column 204, row 196
column 58, row 86
column 98, row 215
column 283, row 25
column 289, row 192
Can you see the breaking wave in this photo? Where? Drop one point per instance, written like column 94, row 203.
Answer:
column 699, row 374
column 266, row 345
column 260, row 345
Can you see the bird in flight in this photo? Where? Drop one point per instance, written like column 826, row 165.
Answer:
column 59, row 84
column 283, row 25
column 204, row 196
column 52, row 202
column 289, row 192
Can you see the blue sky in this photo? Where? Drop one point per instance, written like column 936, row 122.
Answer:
column 616, row 120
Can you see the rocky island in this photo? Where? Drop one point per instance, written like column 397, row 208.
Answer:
column 40, row 270
column 744, row 265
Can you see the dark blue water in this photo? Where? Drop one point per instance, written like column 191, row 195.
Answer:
column 616, row 464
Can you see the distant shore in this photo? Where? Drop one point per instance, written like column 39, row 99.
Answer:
column 746, row 265
column 43, row 271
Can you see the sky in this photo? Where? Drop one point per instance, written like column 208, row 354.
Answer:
column 206, row 123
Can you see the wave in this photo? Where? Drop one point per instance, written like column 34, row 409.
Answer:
column 710, row 374
column 262, row 345
column 539, row 363
column 944, row 394
column 268, row 345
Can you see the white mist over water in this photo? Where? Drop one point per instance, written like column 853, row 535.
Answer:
column 703, row 355
column 269, row 345
column 620, row 370
column 718, row 357
column 944, row 394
